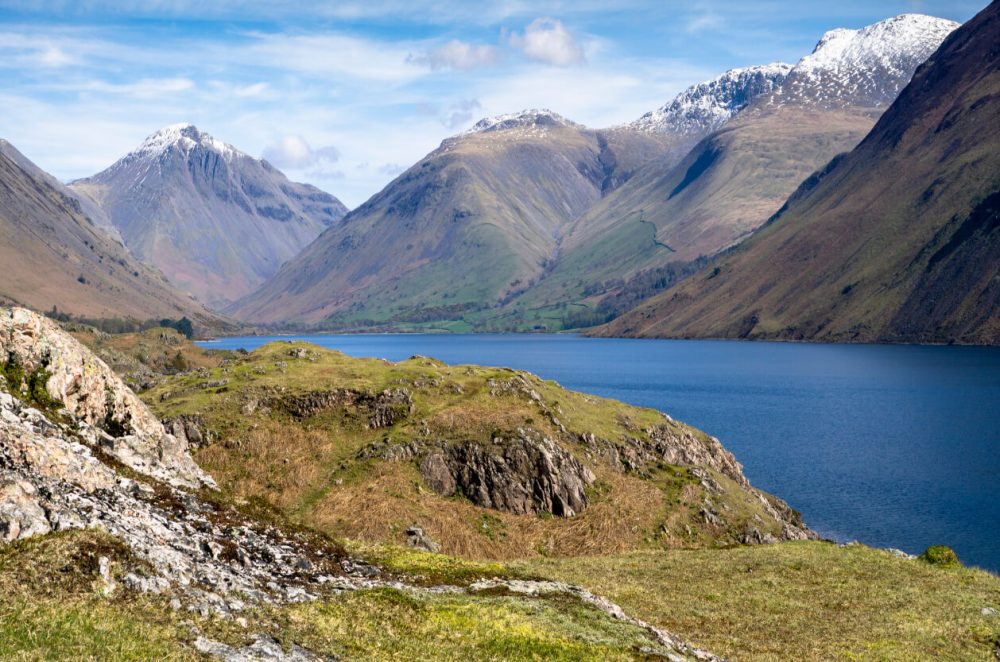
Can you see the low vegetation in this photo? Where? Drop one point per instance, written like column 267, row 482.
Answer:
column 643, row 541
column 57, row 605
column 334, row 468
column 800, row 600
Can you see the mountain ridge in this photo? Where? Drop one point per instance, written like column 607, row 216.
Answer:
column 54, row 255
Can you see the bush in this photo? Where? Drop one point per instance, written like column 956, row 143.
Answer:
column 940, row 555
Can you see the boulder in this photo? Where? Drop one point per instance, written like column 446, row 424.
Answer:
column 95, row 398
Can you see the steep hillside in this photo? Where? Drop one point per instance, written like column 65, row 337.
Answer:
column 214, row 220
column 53, row 255
column 737, row 177
column 517, row 183
column 473, row 223
column 897, row 241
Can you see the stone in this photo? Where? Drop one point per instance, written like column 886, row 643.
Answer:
column 21, row 513
column 416, row 538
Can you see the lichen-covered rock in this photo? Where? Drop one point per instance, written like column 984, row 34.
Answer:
column 21, row 514
column 96, row 398
column 526, row 473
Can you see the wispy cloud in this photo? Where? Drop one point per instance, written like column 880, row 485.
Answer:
column 382, row 80
column 458, row 55
column 703, row 22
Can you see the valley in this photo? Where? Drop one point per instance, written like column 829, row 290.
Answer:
column 653, row 368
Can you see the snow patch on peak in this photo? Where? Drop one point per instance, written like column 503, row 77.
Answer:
column 891, row 44
column 184, row 136
column 705, row 107
column 535, row 117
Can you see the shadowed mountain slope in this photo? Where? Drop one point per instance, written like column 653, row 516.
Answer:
column 897, row 241
column 52, row 254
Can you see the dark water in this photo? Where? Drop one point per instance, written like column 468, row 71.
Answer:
column 895, row 446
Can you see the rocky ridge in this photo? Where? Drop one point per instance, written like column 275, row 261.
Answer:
column 705, row 107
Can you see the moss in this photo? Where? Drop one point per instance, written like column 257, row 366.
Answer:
column 29, row 387
column 940, row 555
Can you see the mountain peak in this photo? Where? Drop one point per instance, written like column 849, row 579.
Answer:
column 884, row 43
column 184, row 136
column 704, row 107
column 870, row 64
column 529, row 118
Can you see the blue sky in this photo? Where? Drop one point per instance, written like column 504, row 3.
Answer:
column 345, row 95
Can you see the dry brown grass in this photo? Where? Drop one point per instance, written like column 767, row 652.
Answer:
column 392, row 497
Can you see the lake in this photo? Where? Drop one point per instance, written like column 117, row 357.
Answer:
column 892, row 445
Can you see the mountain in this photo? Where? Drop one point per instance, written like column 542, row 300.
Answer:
column 473, row 223
column 54, row 255
column 705, row 107
column 666, row 220
column 898, row 241
column 217, row 222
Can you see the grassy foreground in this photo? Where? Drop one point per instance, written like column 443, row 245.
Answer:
column 56, row 606
column 800, row 601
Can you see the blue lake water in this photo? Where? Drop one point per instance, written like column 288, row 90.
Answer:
column 895, row 446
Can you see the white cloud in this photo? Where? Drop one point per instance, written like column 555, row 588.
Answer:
column 294, row 152
column 458, row 55
column 391, row 169
column 547, row 40
column 54, row 57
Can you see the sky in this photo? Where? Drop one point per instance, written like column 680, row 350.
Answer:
column 346, row 95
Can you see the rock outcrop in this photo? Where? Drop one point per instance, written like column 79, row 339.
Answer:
column 105, row 411
column 526, row 473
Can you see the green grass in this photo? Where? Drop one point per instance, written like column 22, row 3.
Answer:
column 386, row 624
column 800, row 600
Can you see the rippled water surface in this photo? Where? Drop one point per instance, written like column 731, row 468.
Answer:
column 891, row 445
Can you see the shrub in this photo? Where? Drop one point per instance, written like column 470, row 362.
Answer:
column 940, row 555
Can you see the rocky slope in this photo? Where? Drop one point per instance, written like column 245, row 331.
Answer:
column 53, row 255
column 78, row 450
column 473, row 223
column 737, row 177
column 896, row 241
column 214, row 220
column 706, row 107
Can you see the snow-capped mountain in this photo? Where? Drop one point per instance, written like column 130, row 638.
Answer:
column 184, row 137
column 530, row 118
column 865, row 67
column 705, row 107
column 215, row 220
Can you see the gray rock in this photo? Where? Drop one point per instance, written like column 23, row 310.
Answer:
column 418, row 539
